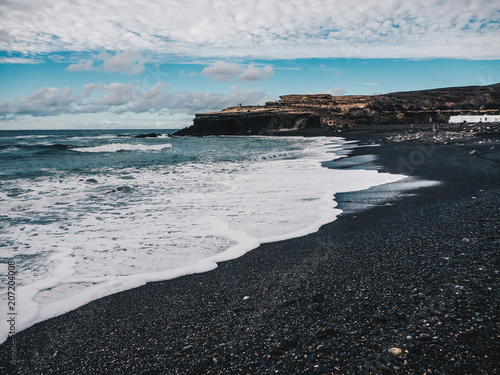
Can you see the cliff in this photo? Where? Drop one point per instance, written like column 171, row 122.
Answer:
column 299, row 112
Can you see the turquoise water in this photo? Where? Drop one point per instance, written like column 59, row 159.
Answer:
column 85, row 214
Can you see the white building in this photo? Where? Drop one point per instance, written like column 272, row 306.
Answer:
column 474, row 119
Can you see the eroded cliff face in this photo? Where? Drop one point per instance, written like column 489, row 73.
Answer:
column 298, row 112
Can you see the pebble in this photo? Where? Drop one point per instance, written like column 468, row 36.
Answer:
column 395, row 351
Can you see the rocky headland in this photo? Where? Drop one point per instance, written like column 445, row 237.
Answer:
column 296, row 114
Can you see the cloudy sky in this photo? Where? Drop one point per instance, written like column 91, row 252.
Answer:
column 154, row 64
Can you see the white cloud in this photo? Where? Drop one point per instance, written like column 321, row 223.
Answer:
column 121, row 98
column 252, row 73
column 45, row 101
column 20, row 60
column 260, row 28
column 221, row 71
column 124, row 62
column 81, row 67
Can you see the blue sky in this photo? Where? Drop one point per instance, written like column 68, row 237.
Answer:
column 130, row 64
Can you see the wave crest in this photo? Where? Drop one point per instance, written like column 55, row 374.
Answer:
column 116, row 147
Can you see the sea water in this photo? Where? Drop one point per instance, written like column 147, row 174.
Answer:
column 84, row 214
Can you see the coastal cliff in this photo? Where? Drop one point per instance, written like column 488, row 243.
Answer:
column 295, row 113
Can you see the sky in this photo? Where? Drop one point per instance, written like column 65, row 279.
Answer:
column 98, row 64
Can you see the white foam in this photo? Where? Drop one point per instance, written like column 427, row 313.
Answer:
column 115, row 147
column 85, row 241
column 10, row 149
column 32, row 136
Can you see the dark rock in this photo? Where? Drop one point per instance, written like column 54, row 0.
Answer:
column 425, row 337
column 149, row 135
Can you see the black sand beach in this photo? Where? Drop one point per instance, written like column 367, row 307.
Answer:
column 409, row 287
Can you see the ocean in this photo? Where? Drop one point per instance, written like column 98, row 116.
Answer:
column 88, row 213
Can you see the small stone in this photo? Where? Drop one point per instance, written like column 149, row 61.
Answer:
column 409, row 337
column 245, row 298
column 397, row 368
column 474, row 152
column 396, row 352
column 425, row 337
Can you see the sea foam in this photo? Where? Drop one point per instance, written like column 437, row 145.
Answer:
column 81, row 241
column 115, row 147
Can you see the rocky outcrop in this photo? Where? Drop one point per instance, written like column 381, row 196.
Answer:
column 300, row 112
column 149, row 135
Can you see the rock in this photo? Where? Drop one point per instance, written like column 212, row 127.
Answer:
column 396, row 352
column 296, row 113
column 149, row 135
column 91, row 181
column 474, row 152
column 425, row 337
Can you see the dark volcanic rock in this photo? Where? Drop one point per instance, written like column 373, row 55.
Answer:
column 149, row 135
column 253, row 122
column 323, row 111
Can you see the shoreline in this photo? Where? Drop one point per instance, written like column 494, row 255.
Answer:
column 335, row 301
